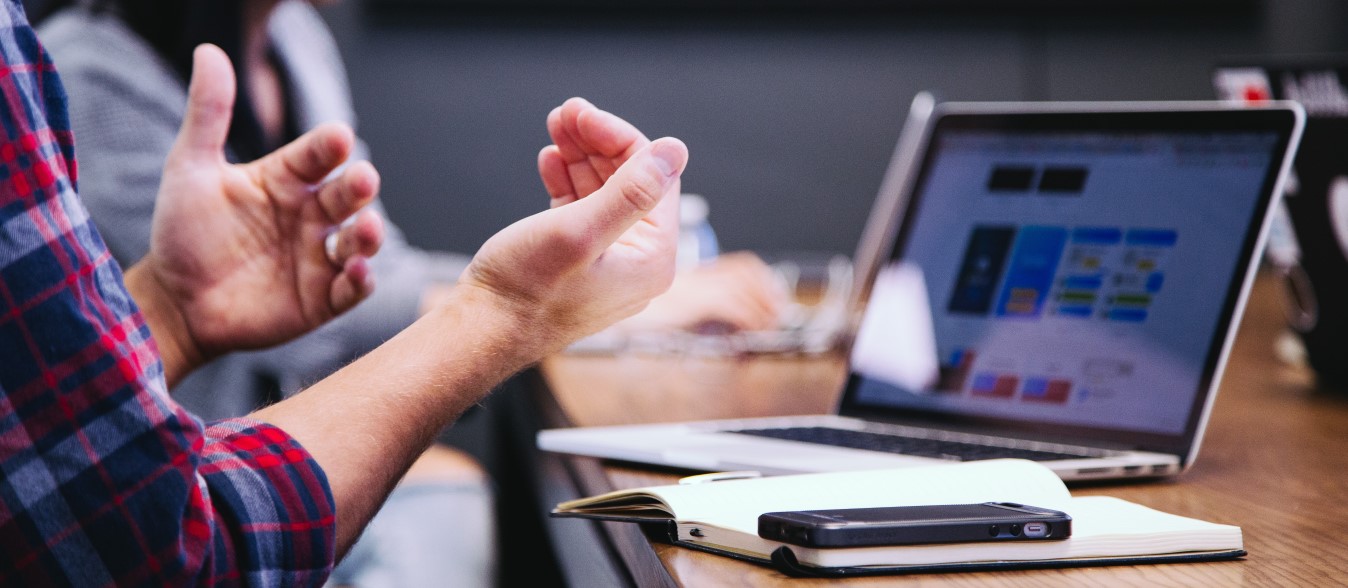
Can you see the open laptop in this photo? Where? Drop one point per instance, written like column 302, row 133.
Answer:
column 1058, row 282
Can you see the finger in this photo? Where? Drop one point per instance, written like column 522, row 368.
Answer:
column 210, row 104
column 726, row 318
column 566, row 136
column 609, row 140
column 609, row 136
column 748, row 303
column 759, row 282
column 597, row 144
column 639, row 189
column 741, row 307
column 748, row 272
column 562, row 128
column 557, row 131
column 556, row 180
column 353, row 190
column 350, row 286
column 587, row 130
column 308, row 159
column 762, row 312
column 747, row 318
column 361, row 237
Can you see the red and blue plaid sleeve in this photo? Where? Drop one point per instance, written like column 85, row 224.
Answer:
column 104, row 480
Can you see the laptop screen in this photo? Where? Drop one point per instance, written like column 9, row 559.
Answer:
column 1074, row 273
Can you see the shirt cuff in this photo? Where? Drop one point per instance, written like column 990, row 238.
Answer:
column 273, row 509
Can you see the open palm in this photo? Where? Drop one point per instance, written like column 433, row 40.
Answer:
column 239, row 249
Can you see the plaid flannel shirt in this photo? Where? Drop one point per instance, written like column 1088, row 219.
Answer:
column 104, row 480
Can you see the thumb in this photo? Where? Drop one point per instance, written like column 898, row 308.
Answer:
column 210, row 104
column 636, row 190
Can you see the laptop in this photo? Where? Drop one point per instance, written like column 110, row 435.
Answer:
column 1059, row 282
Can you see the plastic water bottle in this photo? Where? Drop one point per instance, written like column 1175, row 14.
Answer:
column 697, row 240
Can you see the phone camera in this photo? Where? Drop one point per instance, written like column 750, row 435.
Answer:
column 1015, row 530
column 994, row 530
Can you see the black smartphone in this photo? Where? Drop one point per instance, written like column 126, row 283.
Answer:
column 911, row 525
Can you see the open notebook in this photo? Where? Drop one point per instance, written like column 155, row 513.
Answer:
column 1059, row 282
column 722, row 517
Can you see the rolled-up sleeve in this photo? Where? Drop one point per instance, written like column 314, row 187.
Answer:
column 273, row 512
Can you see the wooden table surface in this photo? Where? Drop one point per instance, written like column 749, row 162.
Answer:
column 1274, row 462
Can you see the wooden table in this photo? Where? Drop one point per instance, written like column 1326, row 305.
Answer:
column 1274, row 462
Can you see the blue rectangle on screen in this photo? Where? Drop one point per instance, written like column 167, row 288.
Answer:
column 1034, row 387
column 1097, row 235
column 1128, row 315
column 1152, row 237
column 984, row 382
column 1034, row 261
column 1083, row 282
column 1154, row 282
column 1075, row 311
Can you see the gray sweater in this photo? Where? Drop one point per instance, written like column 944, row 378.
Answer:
column 126, row 104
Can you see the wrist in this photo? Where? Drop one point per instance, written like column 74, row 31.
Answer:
column 168, row 325
column 433, row 296
column 504, row 330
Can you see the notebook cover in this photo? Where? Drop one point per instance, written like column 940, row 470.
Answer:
column 784, row 560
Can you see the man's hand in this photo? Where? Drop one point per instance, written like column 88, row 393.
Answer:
column 532, row 289
column 607, row 245
column 588, row 146
column 737, row 292
column 237, row 252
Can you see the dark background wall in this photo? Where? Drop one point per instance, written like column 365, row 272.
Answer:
column 790, row 115
column 790, row 107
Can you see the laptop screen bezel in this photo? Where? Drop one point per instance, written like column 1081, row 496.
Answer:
column 1135, row 118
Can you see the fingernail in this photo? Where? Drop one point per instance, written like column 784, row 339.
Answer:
column 668, row 157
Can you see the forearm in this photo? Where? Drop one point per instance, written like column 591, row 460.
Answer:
column 367, row 423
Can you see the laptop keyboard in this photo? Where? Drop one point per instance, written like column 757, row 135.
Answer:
column 916, row 446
